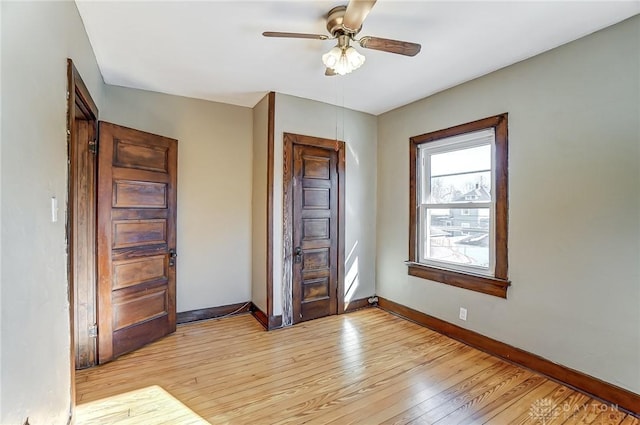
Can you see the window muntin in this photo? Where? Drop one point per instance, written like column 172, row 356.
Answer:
column 456, row 206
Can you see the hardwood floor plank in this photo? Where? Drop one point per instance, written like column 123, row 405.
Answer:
column 233, row 360
column 308, row 367
column 630, row 420
column 365, row 367
column 363, row 396
column 500, row 416
column 489, row 391
column 420, row 412
column 409, row 392
column 610, row 417
column 590, row 413
column 542, row 410
column 504, row 401
column 313, row 393
column 151, row 406
column 568, row 407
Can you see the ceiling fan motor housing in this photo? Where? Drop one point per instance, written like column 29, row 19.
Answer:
column 334, row 22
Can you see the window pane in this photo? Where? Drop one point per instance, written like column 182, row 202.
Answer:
column 461, row 161
column 456, row 235
column 471, row 187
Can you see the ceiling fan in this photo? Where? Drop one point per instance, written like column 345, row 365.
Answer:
column 344, row 23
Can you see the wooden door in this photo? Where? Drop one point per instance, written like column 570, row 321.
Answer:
column 136, row 239
column 315, row 232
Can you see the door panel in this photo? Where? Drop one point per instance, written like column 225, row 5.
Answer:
column 128, row 154
column 131, row 233
column 135, row 194
column 134, row 272
column 136, row 231
column 315, row 224
column 136, row 306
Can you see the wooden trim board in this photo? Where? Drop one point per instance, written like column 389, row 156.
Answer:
column 213, row 312
column 354, row 305
column 275, row 322
column 605, row 391
column 271, row 113
column 342, row 242
column 260, row 316
column 269, row 323
column 81, row 107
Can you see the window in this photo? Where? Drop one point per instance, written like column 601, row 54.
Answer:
column 458, row 211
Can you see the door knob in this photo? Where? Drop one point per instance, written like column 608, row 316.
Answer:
column 172, row 257
column 298, row 254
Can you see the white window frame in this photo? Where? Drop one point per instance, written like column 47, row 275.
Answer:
column 473, row 139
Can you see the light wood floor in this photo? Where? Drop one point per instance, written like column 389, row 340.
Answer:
column 366, row 367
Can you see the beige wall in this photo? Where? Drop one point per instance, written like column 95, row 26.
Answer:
column 37, row 38
column 574, row 204
column 358, row 131
column 259, row 205
column 214, row 189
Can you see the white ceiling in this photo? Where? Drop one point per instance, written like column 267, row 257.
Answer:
column 214, row 50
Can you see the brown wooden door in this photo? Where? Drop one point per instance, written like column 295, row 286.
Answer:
column 315, row 232
column 136, row 239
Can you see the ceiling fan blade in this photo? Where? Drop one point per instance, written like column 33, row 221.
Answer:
column 391, row 46
column 357, row 11
column 295, row 35
column 330, row 72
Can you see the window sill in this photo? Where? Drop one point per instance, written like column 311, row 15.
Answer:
column 484, row 284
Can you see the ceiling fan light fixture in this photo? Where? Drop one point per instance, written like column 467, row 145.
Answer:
column 331, row 58
column 343, row 60
column 354, row 57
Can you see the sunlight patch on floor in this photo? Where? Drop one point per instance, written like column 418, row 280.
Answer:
column 151, row 405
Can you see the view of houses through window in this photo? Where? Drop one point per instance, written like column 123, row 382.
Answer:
column 455, row 205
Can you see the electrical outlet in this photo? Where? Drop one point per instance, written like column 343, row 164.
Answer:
column 463, row 313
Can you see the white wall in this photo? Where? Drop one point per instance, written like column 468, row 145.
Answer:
column 214, row 189
column 574, row 204
column 259, row 205
column 37, row 38
column 358, row 131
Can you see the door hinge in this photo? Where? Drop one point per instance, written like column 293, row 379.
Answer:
column 93, row 146
column 93, row 331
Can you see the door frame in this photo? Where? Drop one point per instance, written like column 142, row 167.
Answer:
column 78, row 100
column 290, row 140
